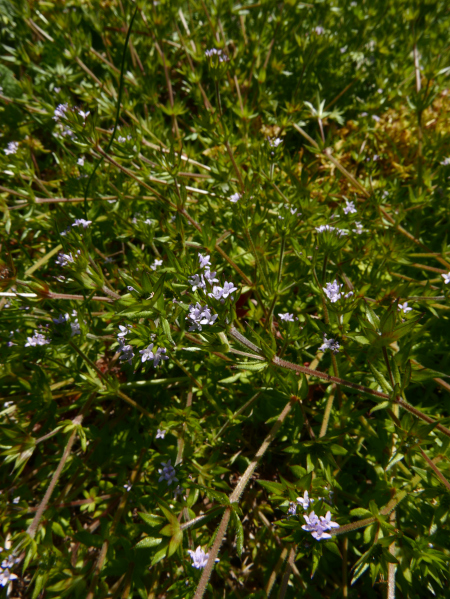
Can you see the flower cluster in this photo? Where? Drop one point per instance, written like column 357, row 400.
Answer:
column 37, row 339
column 217, row 52
column 199, row 281
column 324, row 228
column 125, row 350
column 200, row 315
column 64, row 259
column 349, row 207
column 6, row 576
column 81, row 222
column 199, row 558
column 318, row 526
column 330, row 344
column 157, row 356
column 303, row 501
column 60, row 112
column 287, row 317
column 333, row 292
column 155, row 264
column 12, row 147
column 167, row 473
column 221, row 293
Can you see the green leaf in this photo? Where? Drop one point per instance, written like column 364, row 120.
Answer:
column 272, row 486
column 151, row 519
column 148, row 542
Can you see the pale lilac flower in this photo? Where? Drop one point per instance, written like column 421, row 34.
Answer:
column 235, row 197
column 349, row 207
column 130, row 288
column 62, row 318
column 147, row 353
column 81, row 222
column 177, row 491
column 37, row 339
column 83, row 114
column 319, row 30
column 123, row 332
column 126, row 351
column 332, row 291
column 160, row 354
column 445, row 162
column 200, row 315
column 157, row 356
column 274, row 143
column 446, row 277
column 155, row 264
column 318, row 527
column 122, row 139
column 210, row 277
column 12, row 147
column 349, row 294
column 217, row 52
column 160, row 434
column 6, row 577
column 75, row 328
column 216, row 293
column 60, row 112
column 167, row 473
column 65, row 259
column 205, row 261
column 376, row 118
column 197, row 282
column 80, row 161
column 16, row 500
column 359, row 228
column 228, row 289
column 404, row 308
column 305, row 500
column 323, row 228
column 199, row 558
column 330, row 344
column 127, row 487
column 292, row 509
column 286, row 317
column 343, row 50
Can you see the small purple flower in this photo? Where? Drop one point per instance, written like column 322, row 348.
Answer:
column 318, row 527
column 160, row 434
column 332, row 291
column 349, row 207
column 228, row 289
column 446, row 277
column 12, row 147
column 210, row 277
column 167, row 473
column 287, row 317
column 199, row 558
column 404, row 308
column 37, row 339
column 305, row 500
column 330, row 344
column 235, row 197
column 197, row 282
column 205, row 261
column 60, row 112
column 81, row 222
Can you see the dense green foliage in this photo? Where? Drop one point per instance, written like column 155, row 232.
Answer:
column 308, row 158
